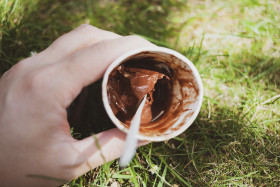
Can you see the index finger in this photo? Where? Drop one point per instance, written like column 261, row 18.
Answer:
column 77, row 39
column 89, row 64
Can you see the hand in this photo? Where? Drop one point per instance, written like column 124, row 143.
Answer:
column 35, row 137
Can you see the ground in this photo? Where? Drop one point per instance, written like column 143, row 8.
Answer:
column 235, row 45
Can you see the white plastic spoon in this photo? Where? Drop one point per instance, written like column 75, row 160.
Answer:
column 131, row 140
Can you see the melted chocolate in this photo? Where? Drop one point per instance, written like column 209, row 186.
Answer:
column 131, row 81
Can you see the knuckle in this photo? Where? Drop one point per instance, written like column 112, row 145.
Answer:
column 62, row 40
column 96, row 33
column 86, row 27
column 34, row 80
column 101, row 46
column 37, row 80
column 139, row 39
column 18, row 68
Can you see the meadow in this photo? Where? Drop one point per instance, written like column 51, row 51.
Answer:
column 235, row 45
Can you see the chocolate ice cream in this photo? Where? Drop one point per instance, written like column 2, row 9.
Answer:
column 128, row 85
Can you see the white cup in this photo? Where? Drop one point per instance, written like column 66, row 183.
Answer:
column 186, row 96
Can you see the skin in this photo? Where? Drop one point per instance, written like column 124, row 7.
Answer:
column 35, row 137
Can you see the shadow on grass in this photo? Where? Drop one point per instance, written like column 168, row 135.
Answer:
column 222, row 148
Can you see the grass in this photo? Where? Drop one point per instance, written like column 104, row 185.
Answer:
column 235, row 44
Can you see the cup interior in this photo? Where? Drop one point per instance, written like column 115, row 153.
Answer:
column 182, row 95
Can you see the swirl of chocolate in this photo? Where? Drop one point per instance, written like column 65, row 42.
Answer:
column 127, row 86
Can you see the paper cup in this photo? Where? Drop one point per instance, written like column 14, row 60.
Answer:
column 186, row 94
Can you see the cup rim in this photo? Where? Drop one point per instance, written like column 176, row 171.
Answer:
column 120, row 59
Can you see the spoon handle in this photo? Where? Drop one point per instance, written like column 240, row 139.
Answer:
column 131, row 140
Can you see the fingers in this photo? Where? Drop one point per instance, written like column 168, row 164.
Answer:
column 81, row 37
column 89, row 64
column 95, row 151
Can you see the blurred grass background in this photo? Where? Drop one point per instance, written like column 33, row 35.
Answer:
column 235, row 44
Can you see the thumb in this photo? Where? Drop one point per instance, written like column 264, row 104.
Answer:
column 99, row 149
